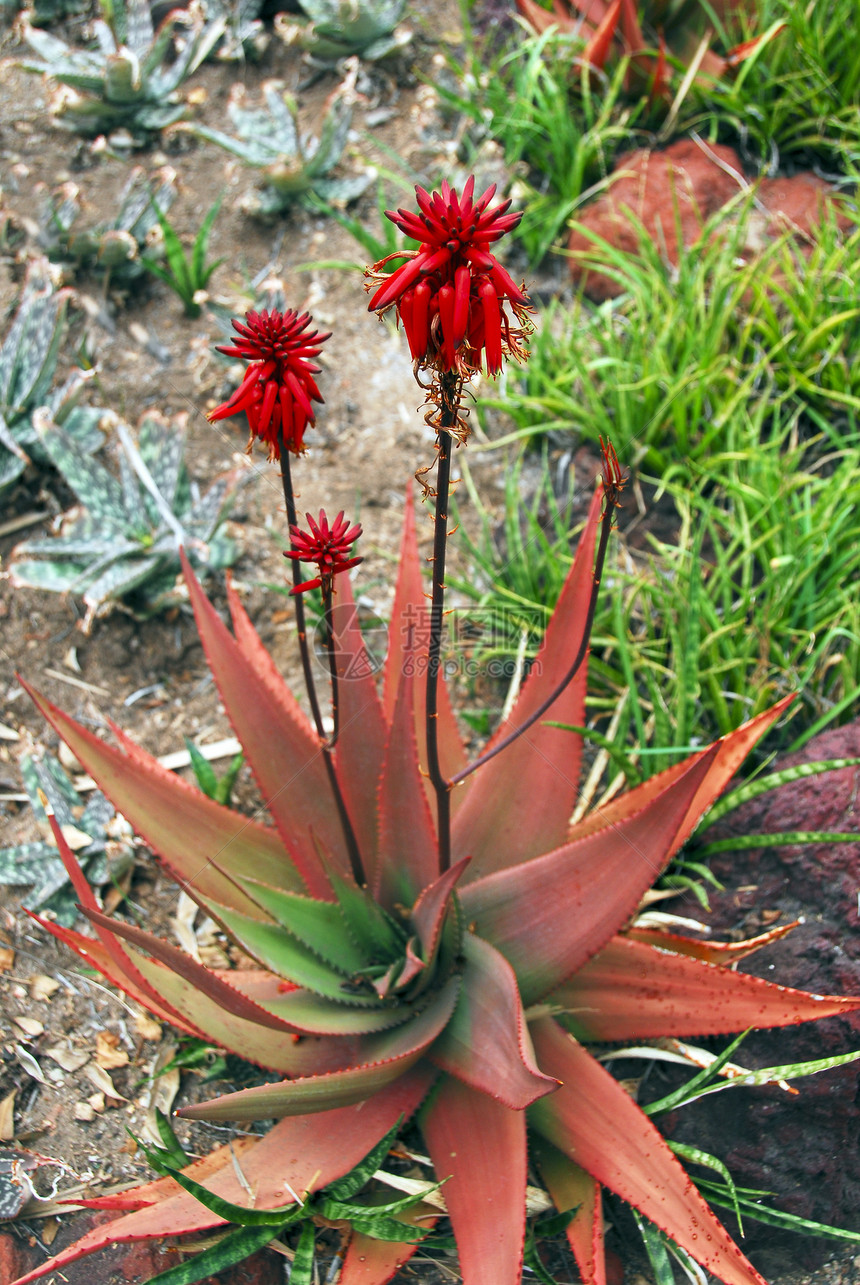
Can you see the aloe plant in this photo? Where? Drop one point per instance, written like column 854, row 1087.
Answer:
column 432, row 935
column 28, row 363
column 341, row 28
column 101, row 838
column 244, row 37
column 116, row 246
column 295, row 166
column 124, row 546
column 132, row 80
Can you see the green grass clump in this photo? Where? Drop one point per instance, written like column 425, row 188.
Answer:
column 754, row 598
column 666, row 368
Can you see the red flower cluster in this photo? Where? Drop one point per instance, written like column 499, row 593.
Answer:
column 327, row 546
column 279, row 387
column 451, row 293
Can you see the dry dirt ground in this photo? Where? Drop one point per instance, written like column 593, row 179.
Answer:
column 370, row 437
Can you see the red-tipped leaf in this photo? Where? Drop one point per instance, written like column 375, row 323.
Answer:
column 381, row 1061
column 599, row 1126
column 486, row 1044
column 528, row 912
column 202, row 842
column 481, row 1146
column 298, row 1155
column 538, row 775
column 573, row 1188
column 285, row 757
column 361, row 738
column 408, row 849
column 631, row 991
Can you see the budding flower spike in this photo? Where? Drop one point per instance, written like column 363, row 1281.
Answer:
column 451, row 294
column 279, row 388
column 327, row 546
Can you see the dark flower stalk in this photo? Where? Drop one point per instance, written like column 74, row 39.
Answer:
column 277, row 396
column 461, row 310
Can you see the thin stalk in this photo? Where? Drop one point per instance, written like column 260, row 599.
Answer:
column 603, row 544
column 326, row 745
column 449, row 405
column 301, row 628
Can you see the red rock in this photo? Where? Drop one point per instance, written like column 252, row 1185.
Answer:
column 798, row 203
column 16, row 1257
column 677, row 190
column 684, row 185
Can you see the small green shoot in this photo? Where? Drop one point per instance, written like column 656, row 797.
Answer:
column 187, row 276
column 219, row 788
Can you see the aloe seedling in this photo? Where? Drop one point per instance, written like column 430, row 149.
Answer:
column 342, row 28
column 132, row 80
column 99, row 836
column 28, row 363
column 432, row 935
column 187, row 276
column 294, row 165
column 244, row 37
column 124, row 546
column 115, row 247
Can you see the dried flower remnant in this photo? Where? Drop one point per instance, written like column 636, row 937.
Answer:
column 327, row 546
column 279, row 388
column 451, row 295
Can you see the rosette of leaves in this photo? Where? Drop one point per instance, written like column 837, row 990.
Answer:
column 28, row 363
column 244, row 34
column 132, row 80
column 115, row 247
column 122, row 545
column 341, row 28
column 100, row 838
column 467, row 993
column 294, row 165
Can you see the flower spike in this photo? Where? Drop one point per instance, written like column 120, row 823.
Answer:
column 327, row 546
column 450, row 295
column 279, row 388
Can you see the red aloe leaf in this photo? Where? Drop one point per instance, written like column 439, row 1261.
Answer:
column 257, row 655
column 549, row 915
column 634, row 991
column 538, row 775
column 201, row 842
column 573, row 1188
column 408, row 637
column 373, row 1262
column 731, row 749
column 428, row 913
column 599, row 1126
column 408, row 849
column 313, row 1014
column 300, row 1154
column 379, row 1062
column 630, row 29
column 285, row 757
column 362, row 731
column 712, row 952
column 93, row 953
column 597, row 50
column 201, row 979
column 119, row 958
column 486, row 1044
column 257, row 1043
column 481, row 1146
column 152, row 1193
